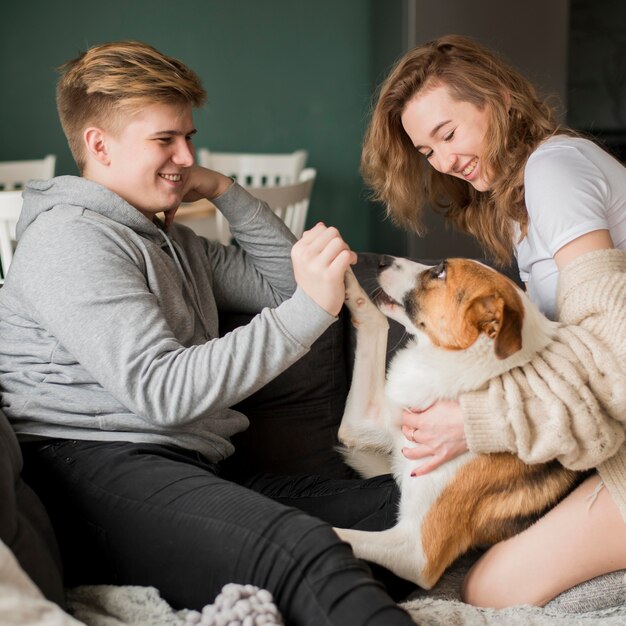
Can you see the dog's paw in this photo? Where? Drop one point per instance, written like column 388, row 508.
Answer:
column 342, row 533
column 355, row 294
column 345, row 437
column 358, row 302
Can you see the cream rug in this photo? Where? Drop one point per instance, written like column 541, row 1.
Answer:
column 598, row 601
column 107, row 605
column 431, row 612
column 142, row 606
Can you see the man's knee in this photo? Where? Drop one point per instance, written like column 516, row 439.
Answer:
column 302, row 533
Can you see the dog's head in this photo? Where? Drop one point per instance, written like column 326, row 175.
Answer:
column 453, row 303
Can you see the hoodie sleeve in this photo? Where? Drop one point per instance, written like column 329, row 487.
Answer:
column 86, row 285
column 259, row 266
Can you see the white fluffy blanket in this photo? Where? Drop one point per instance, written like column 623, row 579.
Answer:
column 125, row 606
column 599, row 602
column 21, row 604
column 236, row 605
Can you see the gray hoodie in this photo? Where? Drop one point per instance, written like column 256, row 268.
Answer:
column 109, row 327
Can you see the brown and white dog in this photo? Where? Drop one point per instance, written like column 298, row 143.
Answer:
column 469, row 323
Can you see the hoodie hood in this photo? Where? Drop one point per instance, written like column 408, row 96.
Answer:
column 73, row 191
column 42, row 195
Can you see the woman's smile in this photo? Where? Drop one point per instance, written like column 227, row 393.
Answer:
column 449, row 133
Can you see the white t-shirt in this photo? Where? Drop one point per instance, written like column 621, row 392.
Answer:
column 572, row 187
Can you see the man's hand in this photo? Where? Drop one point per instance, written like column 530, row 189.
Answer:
column 200, row 183
column 204, row 183
column 438, row 433
column 320, row 259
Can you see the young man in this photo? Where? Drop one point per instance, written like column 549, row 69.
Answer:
column 114, row 376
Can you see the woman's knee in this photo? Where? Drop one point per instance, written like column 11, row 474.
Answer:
column 491, row 581
column 476, row 589
column 505, row 577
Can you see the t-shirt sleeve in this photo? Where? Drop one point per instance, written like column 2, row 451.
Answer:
column 566, row 195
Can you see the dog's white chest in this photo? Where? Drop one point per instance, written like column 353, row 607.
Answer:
column 421, row 373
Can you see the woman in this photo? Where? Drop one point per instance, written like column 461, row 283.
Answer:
column 456, row 126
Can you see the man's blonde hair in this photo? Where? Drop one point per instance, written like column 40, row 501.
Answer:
column 113, row 80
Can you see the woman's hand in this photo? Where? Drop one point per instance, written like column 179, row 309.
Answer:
column 438, row 434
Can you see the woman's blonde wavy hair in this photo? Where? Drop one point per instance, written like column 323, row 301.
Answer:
column 109, row 82
column 401, row 178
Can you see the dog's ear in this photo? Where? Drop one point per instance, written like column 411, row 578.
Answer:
column 501, row 319
column 509, row 339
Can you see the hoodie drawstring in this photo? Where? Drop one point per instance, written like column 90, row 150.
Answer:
column 188, row 280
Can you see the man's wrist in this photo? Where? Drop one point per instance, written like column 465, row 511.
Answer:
column 223, row 185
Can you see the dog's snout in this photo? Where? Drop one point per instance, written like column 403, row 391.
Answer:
column 384, row 260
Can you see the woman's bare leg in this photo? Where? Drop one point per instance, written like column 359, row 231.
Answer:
column 578, row 539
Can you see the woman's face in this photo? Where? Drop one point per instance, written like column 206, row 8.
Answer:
column 450, row 134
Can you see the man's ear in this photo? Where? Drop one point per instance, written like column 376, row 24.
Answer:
column 95, row 142
column 501, row 320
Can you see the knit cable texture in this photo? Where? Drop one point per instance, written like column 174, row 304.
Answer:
column 108, row 605
column 238, row 605
column 569, row 402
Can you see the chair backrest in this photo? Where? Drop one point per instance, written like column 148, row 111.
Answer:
column 260, row 171
column 15, row 174
column 10, row 208
column 290, row 202
column 256, row 170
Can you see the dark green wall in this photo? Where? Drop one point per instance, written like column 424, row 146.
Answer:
column 281, row 75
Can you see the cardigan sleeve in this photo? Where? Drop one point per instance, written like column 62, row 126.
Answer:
column 569, row 402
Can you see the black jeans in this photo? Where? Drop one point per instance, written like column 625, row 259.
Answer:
column 144, row 514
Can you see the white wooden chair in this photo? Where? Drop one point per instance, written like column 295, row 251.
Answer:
column 10, row 208
column 15, row 174
column 290, row 202
column 259, row 173
column 255, row 170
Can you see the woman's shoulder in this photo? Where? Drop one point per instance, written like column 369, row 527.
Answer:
column 564, row 146
column 568, row 150
column 570, row 161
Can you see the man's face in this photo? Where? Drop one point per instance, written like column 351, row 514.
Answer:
column 150, row 157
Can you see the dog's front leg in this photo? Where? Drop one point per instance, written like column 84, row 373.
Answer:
column 363, row 416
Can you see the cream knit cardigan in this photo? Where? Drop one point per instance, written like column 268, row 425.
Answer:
column 569, row 402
